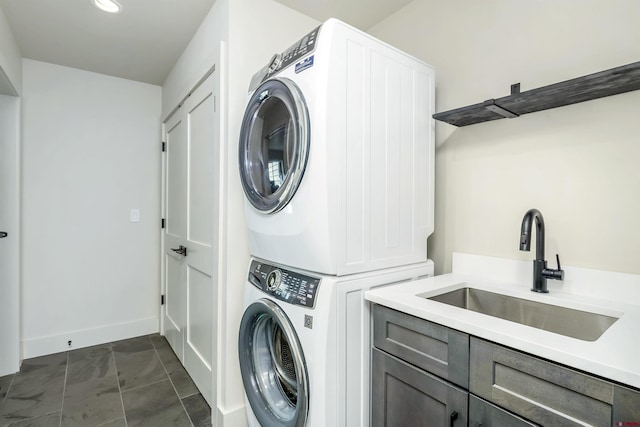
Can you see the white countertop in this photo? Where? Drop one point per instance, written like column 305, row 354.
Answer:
column 615, row 355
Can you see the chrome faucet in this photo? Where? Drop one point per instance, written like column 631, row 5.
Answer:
column 540, row 271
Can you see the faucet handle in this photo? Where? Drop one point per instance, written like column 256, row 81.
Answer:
column 550, row 273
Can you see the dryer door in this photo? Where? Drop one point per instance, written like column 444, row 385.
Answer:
column 274, row 144
column 273, row 368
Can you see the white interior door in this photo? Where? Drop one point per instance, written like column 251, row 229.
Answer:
column 190, row 234
column 175, row 232
column 9, row 243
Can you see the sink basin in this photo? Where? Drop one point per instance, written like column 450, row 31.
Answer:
column 578, row 324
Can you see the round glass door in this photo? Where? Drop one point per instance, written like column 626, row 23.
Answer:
column 272, row 364
column 274, row 144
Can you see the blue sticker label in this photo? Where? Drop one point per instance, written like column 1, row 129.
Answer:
column 304, row 64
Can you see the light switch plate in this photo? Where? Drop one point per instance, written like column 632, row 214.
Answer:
column 135, row 215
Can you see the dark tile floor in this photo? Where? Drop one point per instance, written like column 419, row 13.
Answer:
column 135, row 382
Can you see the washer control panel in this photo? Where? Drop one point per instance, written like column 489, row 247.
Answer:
column 285, row 285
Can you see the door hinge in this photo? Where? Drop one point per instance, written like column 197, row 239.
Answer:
column 162, row 223
column 161, row 299
column 164, row 146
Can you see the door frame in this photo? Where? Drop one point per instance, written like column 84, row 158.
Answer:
column 10, row 304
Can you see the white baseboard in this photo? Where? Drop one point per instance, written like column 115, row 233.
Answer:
column 236, row 417
column 87, row 337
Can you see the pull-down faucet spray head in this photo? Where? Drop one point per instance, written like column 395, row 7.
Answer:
column 525, row 232
column 525, row 238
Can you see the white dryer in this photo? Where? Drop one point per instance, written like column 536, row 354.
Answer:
column 336, row 155
column 304, row 344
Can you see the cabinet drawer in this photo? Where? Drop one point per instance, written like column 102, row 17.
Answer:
column 538, row 390
column 432, row 347
column 484, row 414
column 626, row 406
column 405, row 396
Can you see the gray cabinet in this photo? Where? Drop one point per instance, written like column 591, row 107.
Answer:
column 425, row 374
column 405, row 396
column 545, row 392
column 485, row 414
column 414, row 365
column 626, row 406
column 432, row 347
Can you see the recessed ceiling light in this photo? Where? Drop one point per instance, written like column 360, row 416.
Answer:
column 110, row 6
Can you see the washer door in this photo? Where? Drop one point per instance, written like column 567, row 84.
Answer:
column 273, row 368
column 274, row 144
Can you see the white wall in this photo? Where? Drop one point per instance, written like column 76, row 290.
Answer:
column 90, row 154
column 577, row 164
column 198, row 57
column 237, row 37
column 10, row 60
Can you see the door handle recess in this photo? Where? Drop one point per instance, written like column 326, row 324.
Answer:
column 181, row 250
column 3, row 234
column 253, row 278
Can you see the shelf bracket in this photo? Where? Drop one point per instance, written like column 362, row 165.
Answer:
column 490, row 104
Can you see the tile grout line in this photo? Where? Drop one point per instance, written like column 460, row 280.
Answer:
column 145, row 385
column 115, row 365
column 171, row 381
column 64, row 388
column 4, row 399
column 13, row 378
column 193, row 394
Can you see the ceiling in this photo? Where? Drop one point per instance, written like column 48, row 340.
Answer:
column 359, row 13
column 143, row 42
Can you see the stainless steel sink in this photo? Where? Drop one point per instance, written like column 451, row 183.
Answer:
column 578, row 324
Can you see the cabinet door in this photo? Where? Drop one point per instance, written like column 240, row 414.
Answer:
column 484, row 414
column 429, row 346
column 405, row 396
column 540, row 391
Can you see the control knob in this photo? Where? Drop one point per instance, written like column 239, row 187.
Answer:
column 275, row 62
column 273, row 280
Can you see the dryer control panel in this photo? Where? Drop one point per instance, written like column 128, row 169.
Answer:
column 279, row 61
column 296, row 51
column 285, row 285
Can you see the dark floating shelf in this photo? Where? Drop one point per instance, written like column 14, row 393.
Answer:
column 593, row 86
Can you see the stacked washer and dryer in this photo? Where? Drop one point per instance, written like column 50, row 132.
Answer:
column 336, row 161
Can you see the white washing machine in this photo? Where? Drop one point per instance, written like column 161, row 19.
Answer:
column 336, row 155
column 304, row 344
